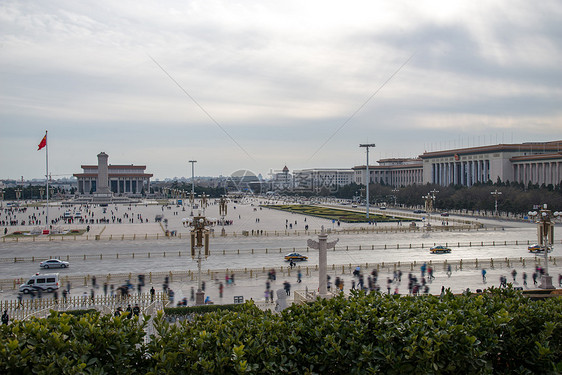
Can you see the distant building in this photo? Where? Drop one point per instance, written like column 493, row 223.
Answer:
column 104, row 179
column 316, row 179
column 281, row 180
column 393, row 172
column 536, row 163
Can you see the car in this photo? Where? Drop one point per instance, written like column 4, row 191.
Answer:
column 439, row 249
column 46, row 282
column 295, row 256
column 445, row 214
column 54, row 263
column 538, row 248
column 420, row 211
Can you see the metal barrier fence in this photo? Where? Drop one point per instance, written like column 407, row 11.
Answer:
column 41, row 307
column 280, row 250
column 244, row 233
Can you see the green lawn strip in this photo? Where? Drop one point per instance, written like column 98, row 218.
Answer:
column 345, row 216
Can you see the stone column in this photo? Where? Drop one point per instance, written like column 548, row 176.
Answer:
column 322, row 246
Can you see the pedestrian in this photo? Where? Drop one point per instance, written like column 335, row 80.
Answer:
column 221, row 288
column 449, row 270
column 287, row 288
column 94, row 282
column 56, row 297
column 525, row 278
column 64, row 294
column 560, row 279
column 5, row 317
column 484, row 275
column 388, row 284
column 152, row 293
column 20, row 297
column 136, row 309
column 105, row 289
column 192, row 297
column 299, row 277
column 118, row 311
column 231, row 279
column 535, row 278
column 130, row 311
column 514, row 274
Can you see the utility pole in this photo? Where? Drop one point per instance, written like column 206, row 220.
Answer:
column 368, row 175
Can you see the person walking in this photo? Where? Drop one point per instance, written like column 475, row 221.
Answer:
column 484, row 275
column 221, row 289
column 136, row 310
column 5, row 317
column 514, row 274
column 525, row 278
column 299, row 277
column 130, row 311
column 152, row 293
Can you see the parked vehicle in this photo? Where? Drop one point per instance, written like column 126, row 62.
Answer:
column 420, row 211
column 295, row 256
column 445, row 214
column 54, row 263
column 439, row 249
column 46, row 282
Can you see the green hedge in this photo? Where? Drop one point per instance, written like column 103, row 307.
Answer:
column 346, row 216
column 497, row 332
column 188, row 310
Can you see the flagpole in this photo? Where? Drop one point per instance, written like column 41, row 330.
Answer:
column 47, row 178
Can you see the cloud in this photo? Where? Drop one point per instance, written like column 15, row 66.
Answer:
column 279, row 77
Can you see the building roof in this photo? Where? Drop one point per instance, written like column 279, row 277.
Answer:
column 535, row 147
column 551, row 156
column 118, row 166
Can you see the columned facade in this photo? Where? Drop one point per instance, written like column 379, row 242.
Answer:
column 394, row 172
column 538, row 169
column 535, row 162
column 122, row 180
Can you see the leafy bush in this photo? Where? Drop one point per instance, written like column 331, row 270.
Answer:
column 67, row 344
column 497, row 332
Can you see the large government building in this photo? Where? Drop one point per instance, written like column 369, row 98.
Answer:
column 106, row 179
column 536, row 163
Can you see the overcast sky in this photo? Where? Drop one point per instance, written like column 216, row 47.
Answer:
column 261, row 84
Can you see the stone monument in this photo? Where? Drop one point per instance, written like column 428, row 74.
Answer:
column 322, row 245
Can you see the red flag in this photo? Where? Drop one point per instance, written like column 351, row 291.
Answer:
column 43, row 142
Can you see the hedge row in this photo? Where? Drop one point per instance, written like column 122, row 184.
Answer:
column 498, row 332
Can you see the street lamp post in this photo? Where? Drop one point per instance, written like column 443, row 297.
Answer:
column 395, row 191
column 18, row 194
column 368, row 176
column 495, row 193
column 222, row 211
column 192, row 197
column 545, row 235
column 199, row 240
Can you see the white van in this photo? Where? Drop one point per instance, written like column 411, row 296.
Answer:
column 47, row 282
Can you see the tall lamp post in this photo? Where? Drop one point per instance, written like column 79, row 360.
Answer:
column 395, row 191
column 368, row 176
column 192, row 197
column 495, row 193
column 199, row 240
column 545, row 234
column 223, row 208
